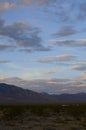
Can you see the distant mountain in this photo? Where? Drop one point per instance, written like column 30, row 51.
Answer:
column 10, row 94
column 14, row 94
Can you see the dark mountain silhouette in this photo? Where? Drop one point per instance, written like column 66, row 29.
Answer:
column 10, row 94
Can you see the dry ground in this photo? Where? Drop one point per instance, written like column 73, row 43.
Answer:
column 43, row 117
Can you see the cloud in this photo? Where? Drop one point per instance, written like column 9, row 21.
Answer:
column 24, row 61
column 4, row 61
column 6, row 47
column 42, row 2
column 4, row 6
column 60, row 9
column 26, row 50
column 82, row 63
column 22, row 35
column 29, row 2
column 23, row 2
column 65, row 31
column 65, row 57
column 43, row 49
column 79, row 68
column 69, row 43
column 53, row 71
column 82, row 77
column 54, row 86
column 82, row 11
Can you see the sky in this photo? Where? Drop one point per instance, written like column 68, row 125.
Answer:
column 43, row 45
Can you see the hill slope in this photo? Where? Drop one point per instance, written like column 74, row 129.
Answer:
column 13, row 94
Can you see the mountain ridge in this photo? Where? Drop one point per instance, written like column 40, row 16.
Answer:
column 11, row 94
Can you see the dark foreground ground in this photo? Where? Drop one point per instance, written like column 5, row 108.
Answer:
column 43, row 117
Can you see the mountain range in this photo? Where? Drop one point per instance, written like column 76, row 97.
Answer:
column 11, row 94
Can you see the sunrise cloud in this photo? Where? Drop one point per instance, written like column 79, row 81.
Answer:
column 79, row 68
column 4, row 6
column 83, row 77
column 65, row 31
column 54, row 86
column 69, row 43
column 6, row 47
column 65, row 57
column 52, row 71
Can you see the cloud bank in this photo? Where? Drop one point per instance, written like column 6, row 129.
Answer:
column 21, row 36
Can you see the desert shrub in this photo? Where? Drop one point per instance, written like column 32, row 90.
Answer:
column 77, row 111
column 49, row 128
column 12, row 112
column 38, row 110
column 75, row 128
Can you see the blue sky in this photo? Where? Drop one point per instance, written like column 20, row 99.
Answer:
column 43, row 44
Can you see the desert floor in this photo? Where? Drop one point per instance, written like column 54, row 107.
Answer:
column 43, row 117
